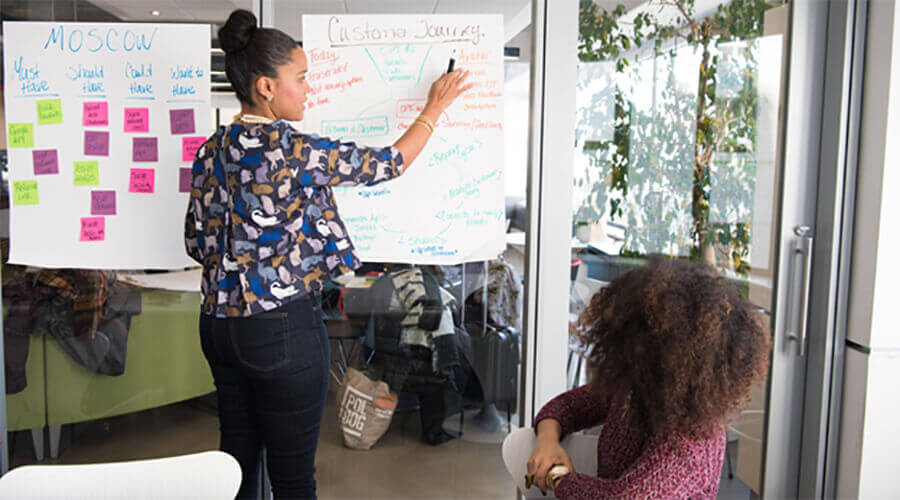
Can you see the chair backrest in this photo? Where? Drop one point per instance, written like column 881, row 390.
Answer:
column 207, row 475
column 518, row 445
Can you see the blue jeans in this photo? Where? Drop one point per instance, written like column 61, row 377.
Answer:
column 271, row 375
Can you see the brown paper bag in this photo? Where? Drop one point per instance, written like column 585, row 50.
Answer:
column 365, row 409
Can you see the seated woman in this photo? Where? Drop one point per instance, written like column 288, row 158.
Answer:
column 676, row 350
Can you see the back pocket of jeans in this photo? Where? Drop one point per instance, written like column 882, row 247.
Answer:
column 263, row 344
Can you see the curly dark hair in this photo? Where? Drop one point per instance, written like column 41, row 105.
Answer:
column 679, row 341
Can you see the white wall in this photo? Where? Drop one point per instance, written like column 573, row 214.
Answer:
column 875, row 267
column 870, row 433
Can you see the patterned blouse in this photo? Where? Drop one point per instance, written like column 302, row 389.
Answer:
column 627, row 465
column 262, row 217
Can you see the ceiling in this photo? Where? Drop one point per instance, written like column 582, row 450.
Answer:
column 516, row 13
column 286, row 14
column 206, row 11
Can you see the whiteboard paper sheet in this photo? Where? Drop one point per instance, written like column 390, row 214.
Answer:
column 370, row 77
column 101, row 119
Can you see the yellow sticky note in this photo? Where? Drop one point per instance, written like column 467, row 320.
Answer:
column 21, row 135
column 87, row 173
column 25, row 193
column 49, row 111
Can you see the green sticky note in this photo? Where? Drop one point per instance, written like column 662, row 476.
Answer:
column 21, row 135
column 87, row 173
column 25, row 193
column 49, row 111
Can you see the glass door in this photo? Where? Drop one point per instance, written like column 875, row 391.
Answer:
column 445, row 437
column 696, row 134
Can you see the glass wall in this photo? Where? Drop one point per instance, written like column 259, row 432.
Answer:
column 136, row 385
column 677, row 134
column 446, row 433
column 104, row 365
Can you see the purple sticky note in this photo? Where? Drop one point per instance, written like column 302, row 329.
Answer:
column 144, row 149
column 96, row 143
column 93, row 229
column 185, row 177
column 137, row 120
column 45, row 161
column 103, row 203
column 96, row 114
column 189, row 147
column 142, row 180
column 181, row 121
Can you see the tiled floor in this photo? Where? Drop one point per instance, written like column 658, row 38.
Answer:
column 399, row 467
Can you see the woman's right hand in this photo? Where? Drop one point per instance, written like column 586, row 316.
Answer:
column 547, row 453
column 445, row 90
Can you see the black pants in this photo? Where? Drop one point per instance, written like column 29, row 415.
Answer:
column 271, row 374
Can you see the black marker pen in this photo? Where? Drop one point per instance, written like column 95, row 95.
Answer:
column 452, row 61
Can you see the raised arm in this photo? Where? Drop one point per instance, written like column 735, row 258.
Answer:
column 326, row 162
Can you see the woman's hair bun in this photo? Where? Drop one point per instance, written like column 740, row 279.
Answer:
column 238, row 30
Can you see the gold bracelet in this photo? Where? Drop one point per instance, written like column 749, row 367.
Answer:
column 425, row 124
column 426, row 120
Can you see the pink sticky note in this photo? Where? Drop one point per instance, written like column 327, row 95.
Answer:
column 185, row 177
column 93, row 229
column 142, row 180
column 96, row 143
column 96, row 114
column 137, row 120
column 145, row 149
column 103, row 203
column 189, row 147
column 181, row 121
column 45, row 161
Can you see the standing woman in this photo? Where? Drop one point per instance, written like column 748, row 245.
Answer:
column 262, row 221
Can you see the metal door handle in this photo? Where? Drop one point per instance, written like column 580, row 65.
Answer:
column 803, row 246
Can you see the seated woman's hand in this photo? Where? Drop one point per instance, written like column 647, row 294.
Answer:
column 546, row 454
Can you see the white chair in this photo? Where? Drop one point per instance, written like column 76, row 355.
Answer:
column 518, row 445
column 208, row 475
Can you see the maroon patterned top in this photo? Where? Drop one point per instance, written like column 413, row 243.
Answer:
column 627, row 465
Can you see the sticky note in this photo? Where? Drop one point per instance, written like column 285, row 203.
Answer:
column 142, row 180
column 103, row 203
column 96, row 143
column 49, row 111
column 185, row 177
column 181, row 121
column 25, row 193
column 96, row 114
column 144, row 149
column 137, row 120
column 45, row 161
column 87, row 173
column 21, row 135
column 189, row 147
column 93, row 229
